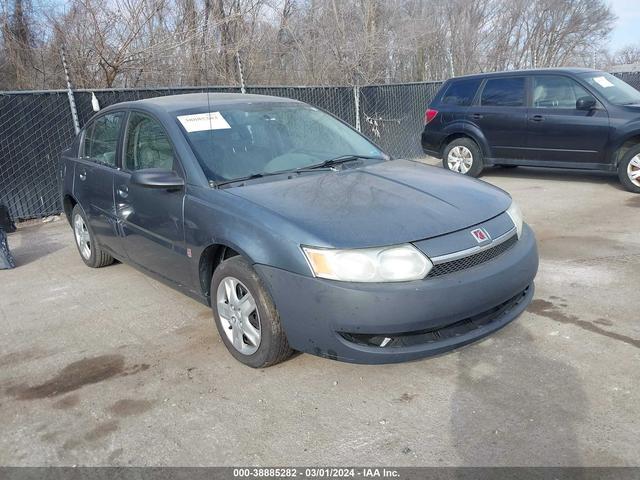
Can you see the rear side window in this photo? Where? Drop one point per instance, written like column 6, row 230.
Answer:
column 461, row 92
column 504, row 92
column 101, row 139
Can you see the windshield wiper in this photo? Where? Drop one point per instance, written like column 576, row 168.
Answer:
column 341, row 159
column 326, row 165
column 248, row 177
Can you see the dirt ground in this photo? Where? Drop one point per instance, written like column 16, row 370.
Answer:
column 109, row 367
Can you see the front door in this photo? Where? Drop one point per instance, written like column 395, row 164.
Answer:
column 501, row 116
column 151, row 219
column 558, row 132
column 93, row 178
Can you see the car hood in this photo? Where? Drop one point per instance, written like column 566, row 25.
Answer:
column 382, row 204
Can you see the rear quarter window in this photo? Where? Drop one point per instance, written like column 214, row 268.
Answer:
column 461, row 92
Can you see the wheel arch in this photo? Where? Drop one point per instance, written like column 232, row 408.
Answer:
column 629, row 141
column 470, row 133
column 210, row 258
column 68, row 203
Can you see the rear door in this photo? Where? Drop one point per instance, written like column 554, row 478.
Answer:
column 558, row 132
column 151, row 219
column 500, row 113
column 94, row 176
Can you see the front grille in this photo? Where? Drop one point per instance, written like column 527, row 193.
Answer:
column 472, row 260
column 421, row 337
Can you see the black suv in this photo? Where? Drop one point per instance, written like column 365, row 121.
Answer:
column 565, row 117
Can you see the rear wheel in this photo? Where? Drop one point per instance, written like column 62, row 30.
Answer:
column 462, row 155
column 90, row 251
column 629, row 169
column 245, row 315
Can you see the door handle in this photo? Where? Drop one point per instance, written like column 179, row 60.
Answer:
column 123, row 191
column 536, row 118
column 476, row 116
column 82, row 175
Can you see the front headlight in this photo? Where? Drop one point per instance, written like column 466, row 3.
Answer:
column 516, row 216
column 386, row 264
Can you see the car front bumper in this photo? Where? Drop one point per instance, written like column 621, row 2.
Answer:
column 347, row 321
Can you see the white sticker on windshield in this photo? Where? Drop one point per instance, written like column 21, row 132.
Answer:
column 199, row 122
column 603, row 82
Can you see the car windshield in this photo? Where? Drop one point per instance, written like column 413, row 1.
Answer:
column 612, row 88
column 239, row 141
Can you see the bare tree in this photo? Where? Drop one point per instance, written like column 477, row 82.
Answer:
column 113, row 43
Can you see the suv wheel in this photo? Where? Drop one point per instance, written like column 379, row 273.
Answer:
column 629, row 169
column 245, row 315
column 462, row 155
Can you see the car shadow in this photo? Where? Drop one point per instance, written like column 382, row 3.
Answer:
column 515, row 406
column 555, row 174
column 26, row 254
column 32, row 246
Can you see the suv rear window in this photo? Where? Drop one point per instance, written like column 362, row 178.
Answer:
column 461, row 92
column 504, row 92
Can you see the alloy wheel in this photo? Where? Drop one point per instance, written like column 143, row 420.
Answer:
column 83, row 239
column 460, row 159
column 239, row 315
column 633, row 170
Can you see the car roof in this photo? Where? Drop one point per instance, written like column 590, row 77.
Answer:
column 193, row 101
column 570, row 70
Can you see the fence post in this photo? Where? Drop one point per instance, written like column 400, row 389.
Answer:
column 72, row 102
column 242, row 89
column 356, row 101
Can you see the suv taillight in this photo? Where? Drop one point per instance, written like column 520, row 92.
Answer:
column 429, row 115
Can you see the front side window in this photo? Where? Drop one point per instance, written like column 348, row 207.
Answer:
column 101, row 139
column 612, row 88
column 237, row 141
column 556, row 92
column 147, row 144
column 504, row 92
column 461, row 92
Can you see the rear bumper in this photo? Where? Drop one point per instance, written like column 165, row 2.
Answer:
column 426, row 317
column 431, row 142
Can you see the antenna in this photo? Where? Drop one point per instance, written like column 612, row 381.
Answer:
column 207, row 5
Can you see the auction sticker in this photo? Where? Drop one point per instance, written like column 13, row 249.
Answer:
column 603, row 82
column 199, row 122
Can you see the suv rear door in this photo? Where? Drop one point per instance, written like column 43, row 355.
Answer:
column 500, row 112
column 558, row 132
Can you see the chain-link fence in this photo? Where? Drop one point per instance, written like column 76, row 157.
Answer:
column 36, row 126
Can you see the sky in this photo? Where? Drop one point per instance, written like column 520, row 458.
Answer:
column 626, row 31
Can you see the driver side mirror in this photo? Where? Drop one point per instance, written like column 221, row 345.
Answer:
column 586, row 103
column 159, row 178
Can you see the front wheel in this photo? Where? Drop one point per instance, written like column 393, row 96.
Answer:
column 629, row 169
column 462, row 155
column 245, row 315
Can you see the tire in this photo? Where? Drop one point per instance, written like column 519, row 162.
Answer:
column 461, row 149
column 93, row 256
column 628, row 166
column 239, row 320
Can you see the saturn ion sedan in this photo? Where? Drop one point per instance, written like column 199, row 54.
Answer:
column 299, row 232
